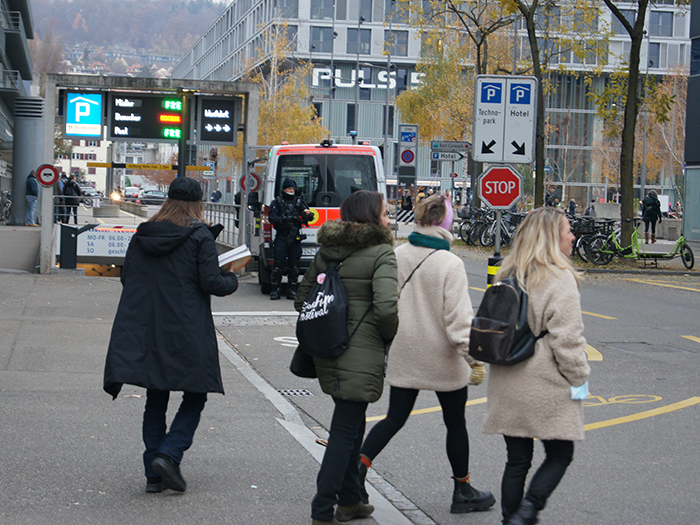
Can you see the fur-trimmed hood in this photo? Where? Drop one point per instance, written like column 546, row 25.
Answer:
column 339, row 238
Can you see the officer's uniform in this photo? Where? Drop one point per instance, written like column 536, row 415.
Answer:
column 287, row 216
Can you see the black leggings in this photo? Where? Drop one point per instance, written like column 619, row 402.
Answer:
column 653, row 226
column 401, row 401
column 558, row 456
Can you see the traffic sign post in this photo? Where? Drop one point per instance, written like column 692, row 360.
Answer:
column 500, row 188
column 446, row 155
column 460, row 146
column 408, row 149
column 47, row 175
column 505, row 112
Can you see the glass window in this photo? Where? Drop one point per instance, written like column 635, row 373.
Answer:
column 394, row 13
column 390, row 132
column 365, row 78
column 288, row 8
column 292, row 37
column 318, row 108
column 327, row 179
column 322, row 10
column 401, row 80
column 654, row 52
column 398, row 42
column 341, row 10
column 365, row 41
column 366, row 9
column 617, row 26
column 321, row 39
column 350, row 119
column 661, row 23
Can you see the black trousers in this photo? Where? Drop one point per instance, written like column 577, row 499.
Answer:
column 559, row 455
column 401, row 401
column 647, row 223
column 338, row 479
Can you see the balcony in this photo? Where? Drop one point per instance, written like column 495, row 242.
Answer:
column 16, row 43
column 11, row 86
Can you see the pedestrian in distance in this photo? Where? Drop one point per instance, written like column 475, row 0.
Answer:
column 571, row 210
column 363, row 242
column 534, row 398
column 651, row 214
column 31, row 197
column 406, row 200
column 163, row 336
column 432, row 354
column 288, row 213
column 58, row 207
column 72, row 193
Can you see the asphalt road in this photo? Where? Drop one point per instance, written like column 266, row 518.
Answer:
column 639, row 461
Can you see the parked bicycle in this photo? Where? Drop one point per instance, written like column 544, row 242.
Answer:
column 6, row 206
column 602, row 248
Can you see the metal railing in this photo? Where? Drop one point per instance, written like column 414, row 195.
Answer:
column 9, row 79
column 227, row 215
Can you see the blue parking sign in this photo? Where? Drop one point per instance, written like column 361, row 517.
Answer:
column 491, row 92
column 520, row 94
column 83, row 115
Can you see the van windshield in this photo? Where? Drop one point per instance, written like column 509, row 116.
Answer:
column 325, row 180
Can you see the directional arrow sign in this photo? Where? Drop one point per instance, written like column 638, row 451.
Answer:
column 446, row 155
column 504, row 119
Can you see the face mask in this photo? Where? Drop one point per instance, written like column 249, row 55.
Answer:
column 449, row 215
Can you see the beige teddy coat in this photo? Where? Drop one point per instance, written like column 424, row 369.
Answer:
column 430, row 350
column 533, row 398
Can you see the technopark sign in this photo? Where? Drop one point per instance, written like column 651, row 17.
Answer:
column 322, row 74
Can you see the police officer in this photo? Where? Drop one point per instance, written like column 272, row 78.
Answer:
column 288, row 213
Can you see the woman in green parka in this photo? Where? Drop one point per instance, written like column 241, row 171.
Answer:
column 363, row 242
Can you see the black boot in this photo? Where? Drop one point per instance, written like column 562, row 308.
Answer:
column 292, row 280
column 526, row 515
column 275, row 280
column 468, row 499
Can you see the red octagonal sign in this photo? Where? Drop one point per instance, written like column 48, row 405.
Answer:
column 500, row 187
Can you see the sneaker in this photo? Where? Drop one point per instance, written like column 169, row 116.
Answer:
column 169, row 470
column 353, row 512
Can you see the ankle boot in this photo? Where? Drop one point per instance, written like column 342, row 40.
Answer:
column 353, row 512
column 646, row 237
column 466, row 498
column 275, row 280
column 653, row 238
column 526, row 514
column 293, row 280
column 365, row 463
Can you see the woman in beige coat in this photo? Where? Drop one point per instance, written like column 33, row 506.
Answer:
column 533, row 399
column 430, row 351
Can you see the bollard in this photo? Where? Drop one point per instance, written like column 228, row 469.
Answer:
column 494, row 265
column 69, row 244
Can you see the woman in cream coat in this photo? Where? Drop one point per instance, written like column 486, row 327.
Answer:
column 533, row 399
column 430, row 350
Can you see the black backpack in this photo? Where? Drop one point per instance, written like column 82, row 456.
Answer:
column 322, row 327
column 500, row 334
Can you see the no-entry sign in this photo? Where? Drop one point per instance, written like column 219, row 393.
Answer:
column 47, row 175
column 500, row 187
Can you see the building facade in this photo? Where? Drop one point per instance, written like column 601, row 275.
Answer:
column 16, row 28
column 369, row 52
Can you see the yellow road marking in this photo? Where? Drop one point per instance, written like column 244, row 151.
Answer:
column 593, row 354
column 600, row 315
column 664, row 285
column 477, row 289
column 643, row 415
column 692, row 338
column 429, row 410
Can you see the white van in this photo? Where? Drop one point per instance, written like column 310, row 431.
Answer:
column 325, row 174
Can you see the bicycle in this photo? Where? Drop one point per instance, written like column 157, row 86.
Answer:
column 602, row 249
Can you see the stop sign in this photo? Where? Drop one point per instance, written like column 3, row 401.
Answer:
column 500, row 187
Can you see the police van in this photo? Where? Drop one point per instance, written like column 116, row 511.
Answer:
column 325, row 175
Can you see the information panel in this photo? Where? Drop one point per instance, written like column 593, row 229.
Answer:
column 83, row 115
column 134, row 116
column 218, row 119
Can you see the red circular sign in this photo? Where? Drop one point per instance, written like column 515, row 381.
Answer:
column 500, row 187
column 407, row 156
column 256, row 181
column 47, row 175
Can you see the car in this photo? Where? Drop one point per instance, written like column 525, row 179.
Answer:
column 153, row 197
column 131, row 193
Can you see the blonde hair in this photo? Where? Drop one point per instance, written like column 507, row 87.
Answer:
column 431, row 210
column 180, row 212
column 536, row 249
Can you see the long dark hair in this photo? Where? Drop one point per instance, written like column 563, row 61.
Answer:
column 179, row 212
column 362, row 206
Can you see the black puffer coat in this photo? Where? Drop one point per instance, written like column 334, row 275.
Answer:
column 163, row 334
column 651, row 208
column 369, row 274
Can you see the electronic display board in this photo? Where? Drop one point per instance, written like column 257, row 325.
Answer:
column 218, row 119
column 134, row 116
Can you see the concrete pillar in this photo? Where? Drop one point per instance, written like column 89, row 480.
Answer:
column 27, row 153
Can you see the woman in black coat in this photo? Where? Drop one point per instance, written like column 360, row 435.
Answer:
column 651, row 213
column 163, row 336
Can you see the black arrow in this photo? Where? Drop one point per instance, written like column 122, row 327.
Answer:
column 519, row 150
column 487, row 148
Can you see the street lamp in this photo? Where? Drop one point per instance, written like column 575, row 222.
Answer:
column 388, row 83
column 643, row 173
column 357, row 78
